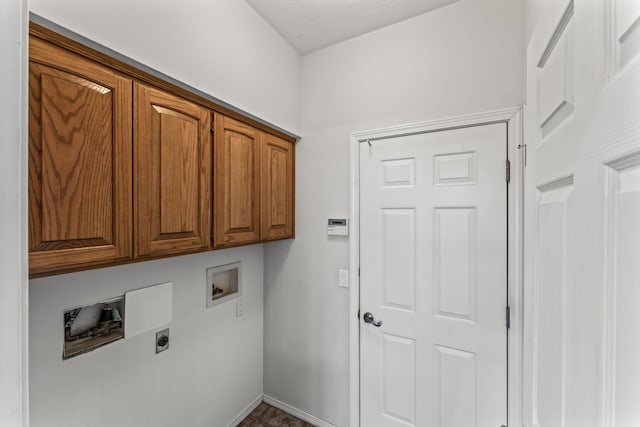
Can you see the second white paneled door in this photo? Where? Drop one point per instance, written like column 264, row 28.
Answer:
column 433, row 259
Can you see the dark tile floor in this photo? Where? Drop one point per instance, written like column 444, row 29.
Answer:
column 267, row 416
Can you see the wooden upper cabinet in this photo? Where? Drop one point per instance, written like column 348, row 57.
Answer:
column 172, row 158
column 277, row 210
column 79, row 161
column 236, row 183
column 123, row 166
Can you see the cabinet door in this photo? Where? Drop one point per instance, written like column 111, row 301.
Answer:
column 172, row 158
column 277, row 179
column 79, row 161
column 236, row 195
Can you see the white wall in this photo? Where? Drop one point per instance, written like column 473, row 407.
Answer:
column 222, row 47
column 211, row 372
column 532, row 12
column 13, row 304
column 213, row 369
column 461, row 59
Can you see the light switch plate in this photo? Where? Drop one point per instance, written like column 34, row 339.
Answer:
column 343, row 278
column 239, row 307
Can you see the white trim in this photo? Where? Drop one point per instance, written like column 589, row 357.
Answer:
column 513, row 117
column 354, row 292
column 245, row 412
column 504, row 115
column 610, row 297
column 296, row 412
column 24, row 212
column 517, row 157
column 14, row 359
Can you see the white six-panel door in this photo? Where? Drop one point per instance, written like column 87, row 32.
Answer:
column 433, row 259
column 582, row 301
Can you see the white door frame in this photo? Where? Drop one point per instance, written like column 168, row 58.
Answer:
column 517, row 156
column 14, row 299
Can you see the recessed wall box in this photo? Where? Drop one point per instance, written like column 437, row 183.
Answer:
column 338, row 227
column 223, row 283
column 91, row 326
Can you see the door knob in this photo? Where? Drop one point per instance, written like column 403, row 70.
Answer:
column 368, row 318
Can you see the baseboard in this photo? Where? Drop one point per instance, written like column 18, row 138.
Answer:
column 246, row 411
column 296, row 412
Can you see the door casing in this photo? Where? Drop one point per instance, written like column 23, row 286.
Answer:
column 515, row 193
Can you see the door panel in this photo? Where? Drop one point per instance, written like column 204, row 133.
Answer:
column 556, row 77
column 399, row 376
column 433, row 270
column 79, row 161
column 626, row 268
column 399, row 258
column 277, row 205
column 178, row 170
column 623, row 297
column 173, row 174
column 627, row 30
column 240, row 177
column 69, row 170
column 454, row 263
column 456, row 387
column 236, row 183
column 550, row 301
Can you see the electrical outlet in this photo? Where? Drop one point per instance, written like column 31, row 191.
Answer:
column 162, row 340
column 239, row 307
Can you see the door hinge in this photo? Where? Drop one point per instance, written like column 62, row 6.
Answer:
column 508, row 170
column 508, row 313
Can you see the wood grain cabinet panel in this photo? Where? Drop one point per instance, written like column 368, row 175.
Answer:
column 236, row 183
column 172, row 157
column 79, row 161
column 277, row 210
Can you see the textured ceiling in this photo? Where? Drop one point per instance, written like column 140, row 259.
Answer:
column 313, row 24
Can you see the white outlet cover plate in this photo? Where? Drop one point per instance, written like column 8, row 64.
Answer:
column 343, row 278
column 239, row 307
